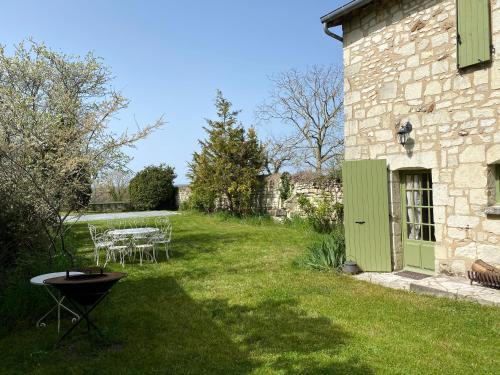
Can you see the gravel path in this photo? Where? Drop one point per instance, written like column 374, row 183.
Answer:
column 120, row 215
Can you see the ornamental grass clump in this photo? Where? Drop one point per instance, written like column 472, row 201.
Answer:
column 329, row 254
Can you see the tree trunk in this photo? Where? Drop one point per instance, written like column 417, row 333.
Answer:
column 319, row 162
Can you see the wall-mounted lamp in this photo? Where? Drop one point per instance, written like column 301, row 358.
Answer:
column 403, row 133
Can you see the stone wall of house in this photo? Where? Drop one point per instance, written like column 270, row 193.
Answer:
column 400, row 65
column 269, row 200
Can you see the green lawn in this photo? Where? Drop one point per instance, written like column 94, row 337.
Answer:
column 230, row 301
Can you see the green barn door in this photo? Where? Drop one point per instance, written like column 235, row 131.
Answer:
column 366, row 214
column 418, row 221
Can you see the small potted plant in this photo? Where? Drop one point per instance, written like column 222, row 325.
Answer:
column 350, row 267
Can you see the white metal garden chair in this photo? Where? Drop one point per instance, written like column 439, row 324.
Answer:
column 162, row 222
column 164, row 237
column 101, row 241
column 121, row 247
column 145, row 247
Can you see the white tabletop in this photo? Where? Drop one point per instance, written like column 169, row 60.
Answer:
column 133, row 231
column 38, row 280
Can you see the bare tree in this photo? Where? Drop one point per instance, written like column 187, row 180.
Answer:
column 280, row 152
column 311, row 103
column 117, row 182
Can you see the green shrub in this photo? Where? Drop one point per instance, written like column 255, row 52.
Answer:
column 22, row 303
column 329, row 254
column 20, row 232
column 286, row 186
column 324, row 215
column 153, row 188
column 202, row 199
column 184, row 206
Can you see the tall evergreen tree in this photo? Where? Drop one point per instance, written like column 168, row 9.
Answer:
column 224, row 174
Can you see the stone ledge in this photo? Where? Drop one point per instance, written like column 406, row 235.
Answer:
column 492, row 210
column 473, row 293
column 438, row 285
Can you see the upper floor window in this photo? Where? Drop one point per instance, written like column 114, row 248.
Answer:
column 473, row 32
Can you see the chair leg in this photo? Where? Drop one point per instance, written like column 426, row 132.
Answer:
column 107, row 258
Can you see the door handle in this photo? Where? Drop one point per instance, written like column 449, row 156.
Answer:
column 359, row 222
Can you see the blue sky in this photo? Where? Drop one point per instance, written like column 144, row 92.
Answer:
column 170, row 57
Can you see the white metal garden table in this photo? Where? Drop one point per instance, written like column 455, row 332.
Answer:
column 40, row 280
column 133, row 232
column 132, row 235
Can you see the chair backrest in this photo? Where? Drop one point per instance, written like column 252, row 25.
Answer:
column 168, row 232
column 93, row 232
column 162, row 223
column 143, row 240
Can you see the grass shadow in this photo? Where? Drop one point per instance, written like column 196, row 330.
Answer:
column 281, row 331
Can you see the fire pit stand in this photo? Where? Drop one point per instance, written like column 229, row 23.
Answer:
column 85, row 292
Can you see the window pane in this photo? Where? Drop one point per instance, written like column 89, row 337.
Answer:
column 410, row 232
column 413, row 231
column 433, row 237
column 425, row 232
column 425, row 215
column 417, row 215
column 418, row 231
column 425, row 198
column 417, row 198
column 425, row 179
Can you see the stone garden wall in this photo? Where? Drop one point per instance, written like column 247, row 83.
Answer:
column 268, row 199
column 400, row 65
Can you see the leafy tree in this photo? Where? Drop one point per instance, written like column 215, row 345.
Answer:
column 54, row 137
column 224, row 173
column 153, row 188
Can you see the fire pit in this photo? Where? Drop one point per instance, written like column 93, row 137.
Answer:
column 85, row 292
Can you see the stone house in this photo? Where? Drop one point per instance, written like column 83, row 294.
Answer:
column 422, row 132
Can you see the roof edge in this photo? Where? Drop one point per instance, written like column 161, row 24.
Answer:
column 334, row 18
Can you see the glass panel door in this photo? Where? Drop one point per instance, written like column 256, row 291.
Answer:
column 419, row 213
column 418, row 220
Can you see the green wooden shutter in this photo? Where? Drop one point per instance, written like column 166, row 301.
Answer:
column 473, row 32
column 366, row 214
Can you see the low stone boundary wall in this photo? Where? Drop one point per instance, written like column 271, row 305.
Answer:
column 269, row 197
column 109, row 206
